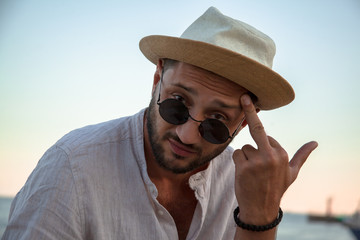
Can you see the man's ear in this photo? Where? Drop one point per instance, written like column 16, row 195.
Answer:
column 157, row 74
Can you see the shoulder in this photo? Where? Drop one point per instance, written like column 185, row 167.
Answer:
column 112, row 131
column 94, row 150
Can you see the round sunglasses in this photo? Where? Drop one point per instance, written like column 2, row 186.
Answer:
column 175, row 112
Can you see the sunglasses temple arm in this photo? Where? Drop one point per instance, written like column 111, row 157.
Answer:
column 238, row 128
column 161, row 77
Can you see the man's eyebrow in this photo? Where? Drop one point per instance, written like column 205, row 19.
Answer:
column 217, row 103
column 221, row 104
column 188, row 89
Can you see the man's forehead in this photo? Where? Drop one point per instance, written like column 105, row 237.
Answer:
column 190, row 70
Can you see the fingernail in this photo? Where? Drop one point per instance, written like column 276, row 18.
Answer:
column 245, row 99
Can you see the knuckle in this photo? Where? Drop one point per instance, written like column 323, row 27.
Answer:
column 272, row 159
column 247, row 147
column 257, row 127
column 237, row 154
column 249, row 110
column 277, row 158
column 283, row 155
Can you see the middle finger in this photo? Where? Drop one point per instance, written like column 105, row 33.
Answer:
column 256, row 127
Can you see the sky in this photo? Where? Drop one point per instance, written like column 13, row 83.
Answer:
column 67, row 64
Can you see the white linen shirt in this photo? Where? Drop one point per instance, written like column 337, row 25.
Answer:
column 93, row 184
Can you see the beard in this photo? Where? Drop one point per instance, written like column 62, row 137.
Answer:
column 159, row 152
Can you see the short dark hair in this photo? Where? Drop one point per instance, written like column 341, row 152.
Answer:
column 253, row 97
column 169, row 63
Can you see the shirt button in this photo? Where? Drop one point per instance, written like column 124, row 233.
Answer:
column 160, row 212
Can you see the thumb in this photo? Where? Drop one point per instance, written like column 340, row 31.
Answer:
column 300, row 157
column 238, row 156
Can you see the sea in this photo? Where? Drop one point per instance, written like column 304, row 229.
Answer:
column 294, row 226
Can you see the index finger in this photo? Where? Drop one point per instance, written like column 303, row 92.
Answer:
column 256, row 127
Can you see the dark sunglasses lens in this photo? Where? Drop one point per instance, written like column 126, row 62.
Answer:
column 214, row 131
column 173, row 111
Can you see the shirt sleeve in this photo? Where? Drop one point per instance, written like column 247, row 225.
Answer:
column 47, row 206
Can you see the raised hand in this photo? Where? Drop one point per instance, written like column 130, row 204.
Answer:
column 263, row 174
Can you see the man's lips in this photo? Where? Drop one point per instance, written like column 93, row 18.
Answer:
column 180, row 149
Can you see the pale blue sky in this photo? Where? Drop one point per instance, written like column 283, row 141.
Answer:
column 66, row 64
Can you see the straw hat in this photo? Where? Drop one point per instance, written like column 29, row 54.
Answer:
column 229, row 48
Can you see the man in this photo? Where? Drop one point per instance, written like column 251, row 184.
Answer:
column 167, row 172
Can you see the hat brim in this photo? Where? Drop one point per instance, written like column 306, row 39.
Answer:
column 272, row 90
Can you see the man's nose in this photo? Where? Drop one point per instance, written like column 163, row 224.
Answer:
column 189, row 132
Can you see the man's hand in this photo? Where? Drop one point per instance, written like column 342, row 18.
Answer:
column 262, row 175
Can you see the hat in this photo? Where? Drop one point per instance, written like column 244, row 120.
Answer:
column 229, row 48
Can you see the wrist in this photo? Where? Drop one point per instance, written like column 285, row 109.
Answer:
column 258, row 215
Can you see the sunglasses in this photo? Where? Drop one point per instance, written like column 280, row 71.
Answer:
column 175, row 112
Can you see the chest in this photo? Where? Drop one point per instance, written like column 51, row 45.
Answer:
column 181, row 207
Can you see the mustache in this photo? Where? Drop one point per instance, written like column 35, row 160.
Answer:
column 177, row 139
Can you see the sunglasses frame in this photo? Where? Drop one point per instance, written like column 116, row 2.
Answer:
column 189, row 116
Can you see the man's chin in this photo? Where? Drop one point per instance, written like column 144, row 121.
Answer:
column 182, row 165
column 178, row 170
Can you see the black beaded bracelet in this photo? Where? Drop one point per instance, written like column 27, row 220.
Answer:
column 257, row 228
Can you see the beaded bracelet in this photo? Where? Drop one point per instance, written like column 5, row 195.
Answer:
column 257, row 228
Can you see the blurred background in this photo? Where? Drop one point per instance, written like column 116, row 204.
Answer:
column 67, row 64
